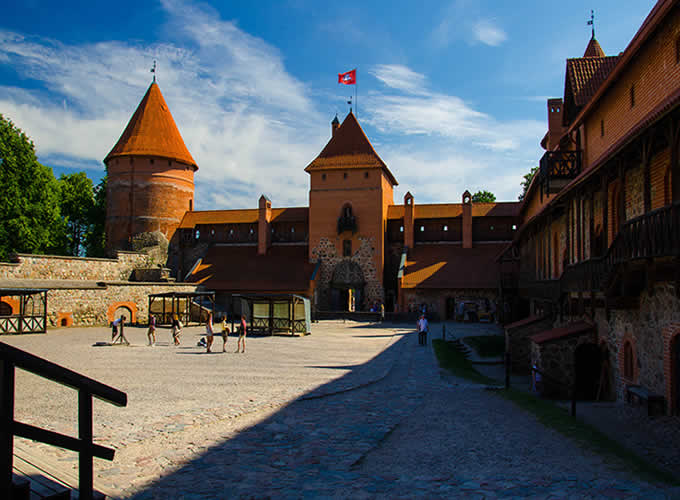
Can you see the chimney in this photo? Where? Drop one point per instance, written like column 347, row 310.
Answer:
column 263, row 220
column 467, row 220
column 408, row 220
column 334, row 125
column 555, row 128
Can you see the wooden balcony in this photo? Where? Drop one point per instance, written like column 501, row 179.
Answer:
column 557, row 168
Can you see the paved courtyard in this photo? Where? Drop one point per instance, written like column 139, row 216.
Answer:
column 350, row 411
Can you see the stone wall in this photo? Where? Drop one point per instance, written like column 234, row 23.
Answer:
column 518, row 343
column 95, row 306
column 53, row 267
column 643, row 328
column 364, row 256
column 436, row 298
column 556, row 360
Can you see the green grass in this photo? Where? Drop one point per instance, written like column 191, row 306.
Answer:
column 453, row 361
column 487, row 346
column 554, row 417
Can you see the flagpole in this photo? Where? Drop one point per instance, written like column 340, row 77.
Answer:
column 356, row 95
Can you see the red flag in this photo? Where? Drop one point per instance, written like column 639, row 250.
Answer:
column 349, row 78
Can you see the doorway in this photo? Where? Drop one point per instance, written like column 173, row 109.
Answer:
column 675, row 373
column 587, row 369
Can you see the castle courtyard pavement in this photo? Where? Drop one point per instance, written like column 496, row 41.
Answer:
column 351, row 411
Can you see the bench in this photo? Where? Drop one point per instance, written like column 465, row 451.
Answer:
column 637, row 395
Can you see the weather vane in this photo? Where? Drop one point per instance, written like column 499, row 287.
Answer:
column 592, row 22
column 153, row 70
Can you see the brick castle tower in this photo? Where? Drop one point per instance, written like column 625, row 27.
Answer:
column 150, row 175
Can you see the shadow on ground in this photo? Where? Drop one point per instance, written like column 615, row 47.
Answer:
column 308, row 447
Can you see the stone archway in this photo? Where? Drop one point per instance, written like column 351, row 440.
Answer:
column 347, row 286
column 128, row 309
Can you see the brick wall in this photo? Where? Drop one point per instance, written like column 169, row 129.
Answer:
column 53, row 267
column 655, row 74
column 660, row 176
column 146, row 194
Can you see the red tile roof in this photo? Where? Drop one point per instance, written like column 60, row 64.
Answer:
column 585, row 75
column 594, row 49
column 242, row 216
column 452, row 266
column 349, row 148
column 525, row 321
column 563, row 332
column 447, row 210
column 239, row 269
column 152, row 132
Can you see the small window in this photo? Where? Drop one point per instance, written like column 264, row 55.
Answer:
column 347, row 248
column 422, row 229
column 191, row 205
column 169, row 163
column 231, row 231
column 272, row 230
column 492, row 228
column 445, row 228
column 514, row 227
column 212, row 232
column 677, row 50
column 365, row 175
column 601, row 128
column 292, row 229
column 401, row 229
column 198, row 234
column 632, row 95
column 151, row 161
column 130, row 161
column 344, row 175
column 252, row 230
column 323, row 177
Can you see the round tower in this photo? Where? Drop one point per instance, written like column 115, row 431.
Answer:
column 150, row 175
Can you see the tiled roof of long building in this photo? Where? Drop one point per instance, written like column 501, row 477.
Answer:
column 586, row 74
column 243, row 216
column 152, row 132
column 447, row 210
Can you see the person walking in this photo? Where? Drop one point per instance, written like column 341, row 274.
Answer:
column 225, row 333
column 152, row 330
column 242, row 335
column 209, row 332
column 423, row 327
column 176, row 329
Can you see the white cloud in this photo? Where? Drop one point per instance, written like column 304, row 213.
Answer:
column 399, row 77
column 250, row 125
column 487, row 32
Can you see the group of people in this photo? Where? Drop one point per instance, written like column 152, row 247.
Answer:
column 176, row 329
column 210, row 333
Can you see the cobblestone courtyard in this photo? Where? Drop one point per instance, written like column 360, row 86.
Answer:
column 350, row 411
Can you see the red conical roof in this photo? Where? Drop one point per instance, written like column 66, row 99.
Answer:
column 152, row 132
column 593, row 49
column 349, row 148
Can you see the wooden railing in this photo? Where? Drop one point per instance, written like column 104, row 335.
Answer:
column 12, row 358
column 652, row 235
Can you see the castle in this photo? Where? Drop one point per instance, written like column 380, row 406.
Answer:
column 350, row 249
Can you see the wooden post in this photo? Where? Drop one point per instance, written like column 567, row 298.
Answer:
column 646, row 154
column 6, row 431
column 85, row 457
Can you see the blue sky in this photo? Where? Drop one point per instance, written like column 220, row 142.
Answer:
column 451, row 94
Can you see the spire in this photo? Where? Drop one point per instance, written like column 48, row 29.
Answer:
column 349, row 148
column 152, row 132
column 593, row 49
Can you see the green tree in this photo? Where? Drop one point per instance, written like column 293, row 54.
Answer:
column 526, row 182
column 483, row 197
column 29, row 203
column 95, row 239
column 76, row 204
